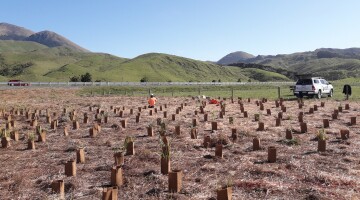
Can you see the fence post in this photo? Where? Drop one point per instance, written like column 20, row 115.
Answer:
column 149, row 91
column 279, row 92
column 172, row 93
column 199, row 91
column 232, row 93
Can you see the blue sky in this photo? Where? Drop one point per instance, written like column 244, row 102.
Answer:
column 199, row 29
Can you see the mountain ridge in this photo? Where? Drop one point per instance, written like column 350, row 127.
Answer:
column 13, row 32
column 331, row 63
column 47, row 38
column 235, row 57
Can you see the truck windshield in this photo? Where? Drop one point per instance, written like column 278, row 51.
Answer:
column 304, row 82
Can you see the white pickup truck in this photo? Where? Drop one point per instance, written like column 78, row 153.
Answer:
column 313, row 87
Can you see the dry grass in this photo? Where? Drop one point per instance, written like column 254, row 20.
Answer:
column 300, row 171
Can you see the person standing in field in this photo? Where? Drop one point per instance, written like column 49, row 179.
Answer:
column 152, row 101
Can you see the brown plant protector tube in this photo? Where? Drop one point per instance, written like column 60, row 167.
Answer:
column 271, row 154
column 224, row 193
column 352, row 121
column 165, row 165
column 150, row 131
column 347, row 106
column 205, row 117
column 218, row 150
column 256, row 144
column 130, row 149
column 245, row 114
column 268, row 111
column 5, row 142
column 177, row 130
column 116, row 176
column 321, row 145
column 345, row 134
column 193, row 133
column 289, row 135
column 58, row 187
column 123, row 123
column 42, row 136
column 93, row 132
column 15, row 135
column 207, row 141
column 76, row 125
column 175, row 181
column 194, row 122
column 214, row 126
column 66, row 133
column 261, row 126
column 70, row 168
column 119, row 158
column 277, row 122
column 303, row 127
column 80, row 155
column 31, row 144
column 326, row 123
column 340, row 109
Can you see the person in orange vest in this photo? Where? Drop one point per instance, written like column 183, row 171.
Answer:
column 152, row 101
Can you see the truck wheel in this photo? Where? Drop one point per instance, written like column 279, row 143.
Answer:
column 319, row 94
column 331, row 93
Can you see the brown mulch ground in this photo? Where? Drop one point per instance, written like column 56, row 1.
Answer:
column 299, row 173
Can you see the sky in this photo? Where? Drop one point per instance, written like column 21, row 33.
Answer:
column 198, row 29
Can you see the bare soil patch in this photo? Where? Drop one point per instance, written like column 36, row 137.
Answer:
column 300, row 171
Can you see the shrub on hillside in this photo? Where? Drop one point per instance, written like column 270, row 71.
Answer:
column 83, row 78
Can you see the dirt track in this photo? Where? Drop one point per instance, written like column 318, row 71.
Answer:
column 300, row 171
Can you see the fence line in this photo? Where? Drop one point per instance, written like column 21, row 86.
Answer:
column 81, row 84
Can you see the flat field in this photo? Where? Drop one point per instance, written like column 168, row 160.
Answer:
column 300, row 170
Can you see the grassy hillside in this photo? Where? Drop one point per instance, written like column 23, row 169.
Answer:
column 19, row 46
column 61, row 63
column 150, row 67
column 258, row 75
column 162, row 67
column 333, row 65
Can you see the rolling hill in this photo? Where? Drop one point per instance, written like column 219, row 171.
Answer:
column 12, row 32
column 235, row 57
column 333, row 64
column 48, row 56
column 42, row 63
column 47, row 38
column 52, row 39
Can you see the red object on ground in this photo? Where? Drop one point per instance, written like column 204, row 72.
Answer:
column 213, row 101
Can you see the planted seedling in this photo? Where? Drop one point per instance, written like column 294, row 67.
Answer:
column 321, row 134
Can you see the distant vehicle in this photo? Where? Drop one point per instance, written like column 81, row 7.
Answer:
column 18, row 83
column 313, row 87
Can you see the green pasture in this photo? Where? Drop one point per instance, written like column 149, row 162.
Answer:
column 244, row 91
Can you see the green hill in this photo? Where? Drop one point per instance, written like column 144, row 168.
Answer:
column 151, row 67
column 30, row 61
column 19, row 46
column 61, row 63
column 255, row 74
column 333, row 64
